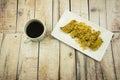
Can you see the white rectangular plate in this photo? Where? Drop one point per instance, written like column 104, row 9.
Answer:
column 66, row 38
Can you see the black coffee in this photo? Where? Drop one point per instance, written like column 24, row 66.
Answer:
column 35, row 29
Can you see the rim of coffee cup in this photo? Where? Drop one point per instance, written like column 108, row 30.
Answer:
column 39, row 37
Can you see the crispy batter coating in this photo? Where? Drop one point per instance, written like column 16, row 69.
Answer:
column 84, row 34
column 69, row 27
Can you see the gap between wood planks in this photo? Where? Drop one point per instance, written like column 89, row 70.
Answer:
column 53, row 23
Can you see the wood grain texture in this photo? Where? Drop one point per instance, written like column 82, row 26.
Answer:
column 9, row 57
column 8, row 15
column 49, row 47
column 51, row 59
column 107, row 65
column 76, row 6
column 1, row 40
column 67, row 54
column 94, row 16
column 80, row 7
column 98, row 15
column 55, row 18
column 28, row 58
column 26, row 9
column 113, row 15
column 108, row 72
column 116, row 54
column 102, row 13
column 56, row 13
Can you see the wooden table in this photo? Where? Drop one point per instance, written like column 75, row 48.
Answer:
column 51, row 59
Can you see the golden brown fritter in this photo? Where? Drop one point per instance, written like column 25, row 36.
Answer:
column 84, row 34
column 69, row 27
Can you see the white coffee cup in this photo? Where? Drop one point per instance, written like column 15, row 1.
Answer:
column 35, row 30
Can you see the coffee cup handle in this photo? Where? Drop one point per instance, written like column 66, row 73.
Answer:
column 27, row 40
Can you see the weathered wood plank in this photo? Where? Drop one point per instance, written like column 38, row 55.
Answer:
column 1, row 40
column 26, row 9
column 101, row 9
column 81, row 66
column 49, row 47
column 67, row 54
column 28, row 58
column 76, row 6
column 89, row 64
column 116, row 53
column 94, row 16
column 56, row 14
column 49, row 60
column 84, row 8
column 98, row 16
column 9, row 57
column 102, row 13
column 94, row 11
column 113, row 14
column 8, row 15
column 107, row 65
column 108, row 72
column 80, row 7
column 67, row 63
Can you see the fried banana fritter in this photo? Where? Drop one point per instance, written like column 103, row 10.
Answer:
column 84, row 34
column 69, row 27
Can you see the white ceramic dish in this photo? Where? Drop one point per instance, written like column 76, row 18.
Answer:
column 66, row 38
